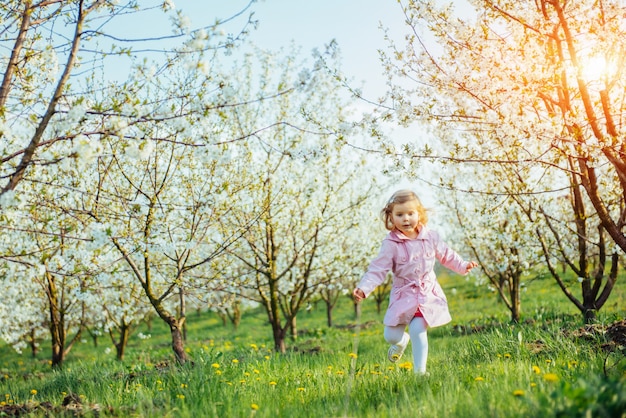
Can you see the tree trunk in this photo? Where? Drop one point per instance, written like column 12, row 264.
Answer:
column 357, row 309
column 236, row 316
column 293, row 328
column 183, row 312
column 120, row 346
column 32, row 342
column 57, row 328
column 329, row 314
column 516, row 304
column 178, row 343
column 279, row 339
column 589, row 315
column 94, row 338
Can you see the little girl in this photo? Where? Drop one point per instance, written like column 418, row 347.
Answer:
column 416, row 299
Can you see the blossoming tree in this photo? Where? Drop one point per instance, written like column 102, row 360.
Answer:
column 304, row 194
column 46, row 123
column 544, row 77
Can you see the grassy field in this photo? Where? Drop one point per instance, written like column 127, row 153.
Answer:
column 480, row 366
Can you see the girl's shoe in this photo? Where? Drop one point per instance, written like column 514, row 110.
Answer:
column 396, row 350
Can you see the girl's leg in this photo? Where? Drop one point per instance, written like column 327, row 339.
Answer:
column 394, row 335
column 398, row 339
column 417, row 331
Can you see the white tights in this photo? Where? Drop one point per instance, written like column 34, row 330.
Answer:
column 417, row 332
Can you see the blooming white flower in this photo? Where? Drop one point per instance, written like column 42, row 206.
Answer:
column 168, row 5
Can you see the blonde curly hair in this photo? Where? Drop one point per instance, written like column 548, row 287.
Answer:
column 400, row 197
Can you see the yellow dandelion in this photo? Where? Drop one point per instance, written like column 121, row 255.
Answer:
column 267, row 357
column 507, row 355
column 183, row 385
column 353, row 355
column 518, row 392
column 180, row 396
column 218, row 372
column 235, row 361
column 255, row 371
column 3, row 403
column 33, row 391
column 550, row 377
column 533, row 384
column 300, row 389
column 479, row 379
column 215, row 366
column 548, row 361
column 339, row 372
column 242, row 381
column 272, row 383
column 407, row 365
column 536, row 370
column 254, row 407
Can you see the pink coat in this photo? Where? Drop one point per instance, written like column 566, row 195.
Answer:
column 414, row 282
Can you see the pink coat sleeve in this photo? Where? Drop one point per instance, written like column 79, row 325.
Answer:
column 449, row 258
column 378, row 268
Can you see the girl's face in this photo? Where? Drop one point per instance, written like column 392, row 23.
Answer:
column 405, row 218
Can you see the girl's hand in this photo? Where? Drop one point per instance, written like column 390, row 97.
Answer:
column 358, row 295
column 470, row 266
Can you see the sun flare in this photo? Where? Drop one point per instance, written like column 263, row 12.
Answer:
column 597, row 68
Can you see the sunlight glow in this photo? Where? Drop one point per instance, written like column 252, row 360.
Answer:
column 596, row 68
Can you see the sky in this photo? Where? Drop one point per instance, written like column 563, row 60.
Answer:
column 307, row 24
column 354, row 24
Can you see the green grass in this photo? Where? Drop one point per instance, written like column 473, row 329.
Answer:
column 480, row 365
